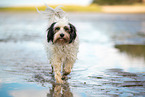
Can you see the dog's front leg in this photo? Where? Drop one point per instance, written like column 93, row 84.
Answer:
column 57, row 71
column 68, row 66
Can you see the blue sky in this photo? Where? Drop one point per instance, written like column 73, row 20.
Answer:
column 4, row 3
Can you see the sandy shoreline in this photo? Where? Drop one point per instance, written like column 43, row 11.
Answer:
column 123, row 9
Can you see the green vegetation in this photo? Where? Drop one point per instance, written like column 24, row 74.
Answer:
column 18, row 9
column 117, row 2
column 135, row 8
column 91, row 8
column 68, row 8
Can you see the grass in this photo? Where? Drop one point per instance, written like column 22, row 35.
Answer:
column 18, row 9
column 91, row 8
column 68, row 8
column 136, row 8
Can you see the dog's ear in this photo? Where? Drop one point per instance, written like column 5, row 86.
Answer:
column 50, row 33
column 72, row 33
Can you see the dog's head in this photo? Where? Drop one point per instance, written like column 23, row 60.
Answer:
column 61, row 32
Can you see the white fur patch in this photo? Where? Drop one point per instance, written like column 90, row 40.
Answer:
column 62, row 51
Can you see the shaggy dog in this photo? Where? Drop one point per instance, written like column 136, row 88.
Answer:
column 62, row 43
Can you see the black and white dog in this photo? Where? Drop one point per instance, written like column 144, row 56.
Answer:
column 62, row 43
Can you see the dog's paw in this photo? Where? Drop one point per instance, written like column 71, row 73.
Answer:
column 59, row 81
column 66, row 72
column 64, row 77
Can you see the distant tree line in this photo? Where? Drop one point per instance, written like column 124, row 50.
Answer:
column 116, row 2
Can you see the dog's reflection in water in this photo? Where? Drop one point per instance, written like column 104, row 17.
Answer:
column 57, row 90
column 60, row 91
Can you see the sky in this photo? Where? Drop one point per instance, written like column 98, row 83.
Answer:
column 7, row 3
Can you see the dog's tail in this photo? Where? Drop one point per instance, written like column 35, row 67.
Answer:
column 53, row 14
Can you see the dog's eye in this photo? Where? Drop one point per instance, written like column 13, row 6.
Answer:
column 66, row 28
column 57, row 28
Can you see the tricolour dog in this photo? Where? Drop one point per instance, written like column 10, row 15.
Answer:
column 62, row 43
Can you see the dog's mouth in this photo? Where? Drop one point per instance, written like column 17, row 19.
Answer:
column 61, row 40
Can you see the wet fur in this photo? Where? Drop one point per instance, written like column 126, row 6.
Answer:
column 62, row 54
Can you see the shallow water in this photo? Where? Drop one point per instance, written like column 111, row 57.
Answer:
column 111, row 59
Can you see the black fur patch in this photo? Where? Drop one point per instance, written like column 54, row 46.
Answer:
column 72, row 33
column 50, row 33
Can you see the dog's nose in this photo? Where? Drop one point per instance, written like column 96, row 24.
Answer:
column 61, row 35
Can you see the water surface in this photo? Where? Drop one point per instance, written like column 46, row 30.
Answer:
column 111, row 58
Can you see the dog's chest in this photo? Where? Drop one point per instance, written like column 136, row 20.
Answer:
column 62, row 50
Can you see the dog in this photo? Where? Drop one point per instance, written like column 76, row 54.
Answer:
column 62, row 43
